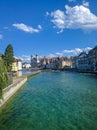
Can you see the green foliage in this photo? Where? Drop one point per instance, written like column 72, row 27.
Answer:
column 3, row 77
column 9, row 57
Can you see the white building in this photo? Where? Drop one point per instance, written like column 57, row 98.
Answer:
column 26, row 65
column 19, row 64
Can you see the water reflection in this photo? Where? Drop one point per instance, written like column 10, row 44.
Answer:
column 23, row 72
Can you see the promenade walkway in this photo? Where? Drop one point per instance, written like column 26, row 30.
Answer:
column 18, row 82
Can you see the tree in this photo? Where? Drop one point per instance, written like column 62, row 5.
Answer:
column 3, row 77
column 9, row 57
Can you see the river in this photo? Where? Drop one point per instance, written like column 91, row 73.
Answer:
column 53, row 101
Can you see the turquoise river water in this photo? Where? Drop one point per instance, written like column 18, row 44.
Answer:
column 53, row 101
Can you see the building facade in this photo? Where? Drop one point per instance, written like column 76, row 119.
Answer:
column 17, row 65
column 35, row 61
column 86, row 62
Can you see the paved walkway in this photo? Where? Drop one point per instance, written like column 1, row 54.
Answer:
column 11, row 89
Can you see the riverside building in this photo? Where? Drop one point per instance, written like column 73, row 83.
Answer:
column 86, row 62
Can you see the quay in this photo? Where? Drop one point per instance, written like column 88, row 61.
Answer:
column 9, row 91
column 32, row 73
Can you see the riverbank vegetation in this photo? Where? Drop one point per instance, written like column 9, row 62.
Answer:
column 3, row 77
column 6, row 61
column 9, row 57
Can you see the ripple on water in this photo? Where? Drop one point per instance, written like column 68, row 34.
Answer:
column 53, row 101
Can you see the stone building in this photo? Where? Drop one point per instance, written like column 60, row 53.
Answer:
column 82, row 62
column 86, row 62
column 35, row 61
column 92, row 59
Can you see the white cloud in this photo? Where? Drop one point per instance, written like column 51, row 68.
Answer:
column 77, row 17
column 77, row 51
column 71, row 52
column 87, row 49
column 26, row 57
column 1, row 36
column 85, row 3
column 26, row 28
column 59, row 53
column 58, row 19
column 51, row 55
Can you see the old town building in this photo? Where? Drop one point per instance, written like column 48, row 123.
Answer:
column 86, row 62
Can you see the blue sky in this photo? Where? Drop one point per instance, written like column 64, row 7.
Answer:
column 47, row 27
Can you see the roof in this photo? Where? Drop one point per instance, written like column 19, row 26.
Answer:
column 82, row 54
column 17, row 60
column 93, row 51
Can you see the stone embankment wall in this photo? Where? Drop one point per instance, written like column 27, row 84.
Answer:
column 33, row 73
column 12, row 89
